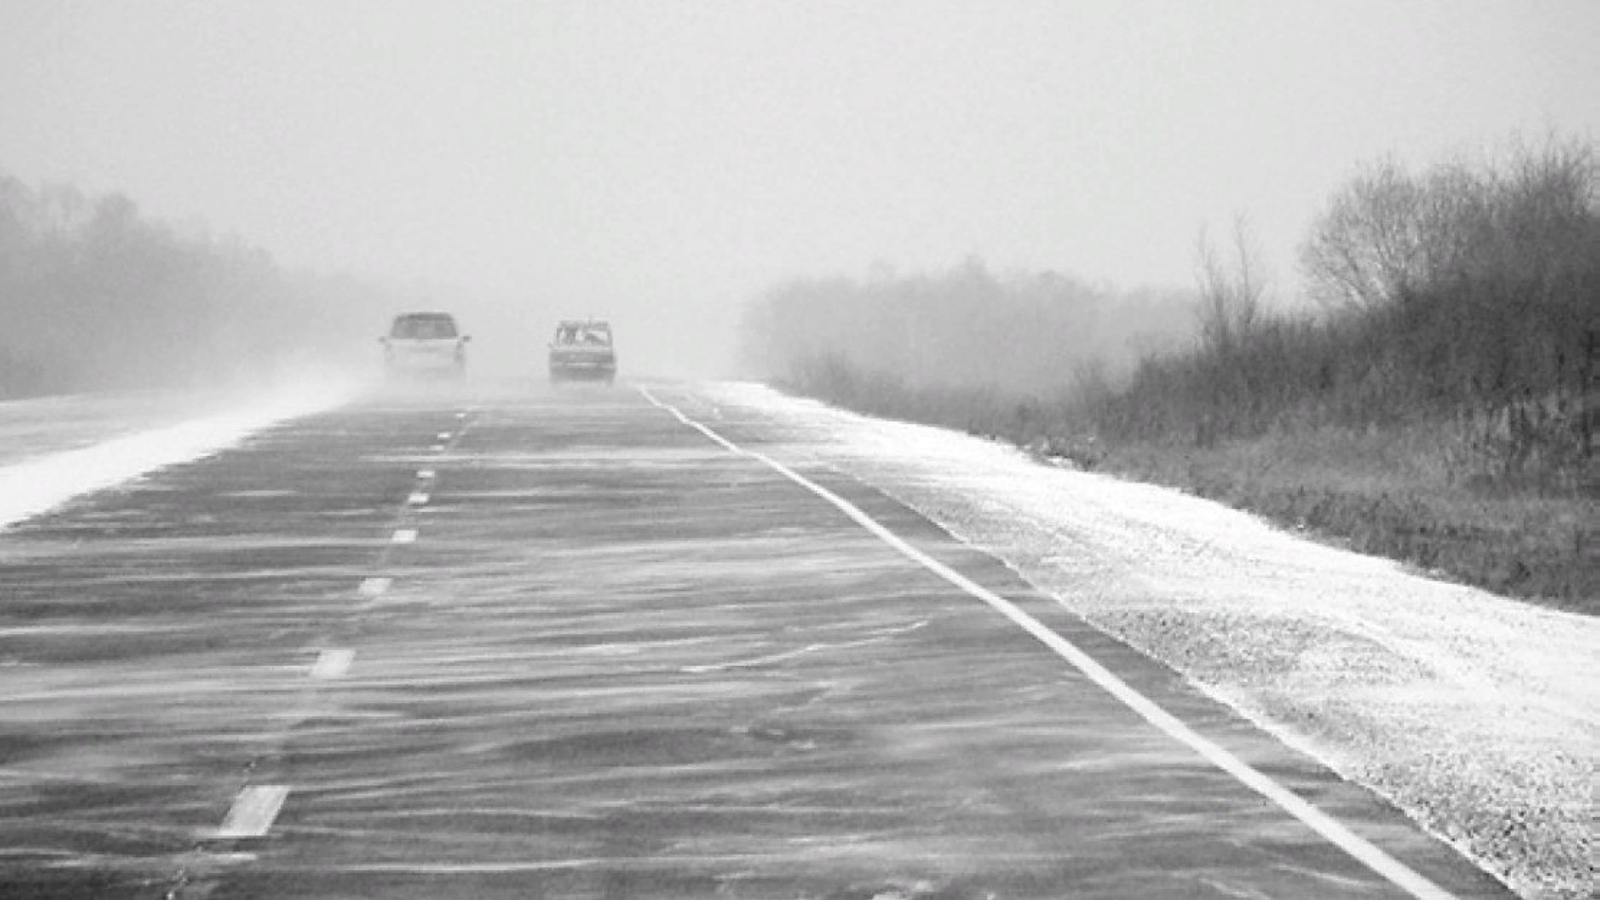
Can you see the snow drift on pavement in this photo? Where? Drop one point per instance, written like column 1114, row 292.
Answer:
column 39, row 483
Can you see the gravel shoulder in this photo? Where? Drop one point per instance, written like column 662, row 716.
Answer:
column 1475, row 714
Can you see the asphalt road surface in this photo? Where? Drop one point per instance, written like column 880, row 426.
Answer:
column 570, row 645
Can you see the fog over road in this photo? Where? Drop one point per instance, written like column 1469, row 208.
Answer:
column 513, row 644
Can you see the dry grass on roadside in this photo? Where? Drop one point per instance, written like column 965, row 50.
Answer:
column 1386, row 494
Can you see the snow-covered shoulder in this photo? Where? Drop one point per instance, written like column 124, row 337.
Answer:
column 86, row 443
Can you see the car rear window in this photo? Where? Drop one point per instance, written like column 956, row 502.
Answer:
column 423, row 327
column 584, row 334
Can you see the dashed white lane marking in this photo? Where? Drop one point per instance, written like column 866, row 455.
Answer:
column 332, row 663
column 257, row 806
column 253, row 812
column 375, row 587
column 1331, row 830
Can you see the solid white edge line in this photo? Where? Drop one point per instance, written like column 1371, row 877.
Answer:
column 253, row 812
column 1335, row 832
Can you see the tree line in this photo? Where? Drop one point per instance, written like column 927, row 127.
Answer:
column 965, row 329
column 94, row 295
column 1465, row 294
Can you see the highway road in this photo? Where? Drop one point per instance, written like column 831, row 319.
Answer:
column 601, row 644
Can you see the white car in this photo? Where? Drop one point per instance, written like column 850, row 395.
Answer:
column 425, row 344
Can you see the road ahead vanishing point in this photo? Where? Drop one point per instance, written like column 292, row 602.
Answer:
column 603, row 644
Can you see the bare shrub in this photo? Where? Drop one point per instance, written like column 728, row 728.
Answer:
column 1465, row 295
column 1369, row 244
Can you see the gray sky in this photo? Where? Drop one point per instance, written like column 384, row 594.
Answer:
column 659, row 162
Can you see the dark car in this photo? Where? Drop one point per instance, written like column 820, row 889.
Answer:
column 425, row 344
column 582, row 351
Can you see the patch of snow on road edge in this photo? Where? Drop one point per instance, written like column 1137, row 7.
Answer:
column 1475, row 714
column 40, row 484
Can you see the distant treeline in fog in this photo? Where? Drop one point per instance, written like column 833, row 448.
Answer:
column 967, row 331
column 94, row 295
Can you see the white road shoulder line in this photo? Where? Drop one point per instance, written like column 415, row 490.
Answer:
column 405, row 536
column 253, row 812
column 1329, row 828
column 332, row 663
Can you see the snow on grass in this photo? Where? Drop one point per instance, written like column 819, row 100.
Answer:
column 42, row 482
column 1477, row 715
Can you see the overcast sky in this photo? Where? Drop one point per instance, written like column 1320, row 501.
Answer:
column 662, row 161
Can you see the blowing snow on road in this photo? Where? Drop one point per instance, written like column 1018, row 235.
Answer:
column 709, row 640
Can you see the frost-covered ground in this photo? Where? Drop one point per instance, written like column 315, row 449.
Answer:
column 1477, row 715
column 55, row 448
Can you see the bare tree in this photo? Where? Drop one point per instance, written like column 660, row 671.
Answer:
column 1370, row 244
column 1388, row 234
column 1230, row 296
